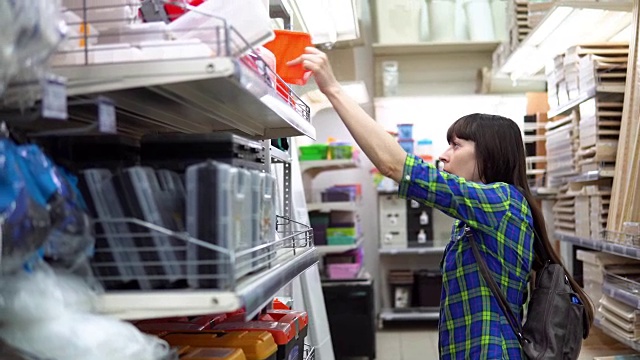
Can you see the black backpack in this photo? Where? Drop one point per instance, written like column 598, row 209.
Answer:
column 556, row 318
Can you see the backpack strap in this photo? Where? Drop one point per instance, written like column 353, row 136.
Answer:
column 497, row 293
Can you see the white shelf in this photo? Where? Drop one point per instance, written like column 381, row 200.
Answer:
column 199, row 95
column 413, row 251
column 416, row 314
column 435, row 48
column 327, row 165
column 333, row 206
column 252, row 293
column 339, row 249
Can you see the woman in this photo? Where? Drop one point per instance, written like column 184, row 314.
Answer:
column 483, row 186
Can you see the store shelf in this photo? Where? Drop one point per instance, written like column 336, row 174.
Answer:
column 592, row 176
column 333, row 206
column 339, row 249
column 605, row 329
column 411, row 314
column 434, row 48
column 413, row 251
column 601, row 245
column 253, row 293
column 316, row 166
column 621, row 295
column 279, row 156
column 199, row 95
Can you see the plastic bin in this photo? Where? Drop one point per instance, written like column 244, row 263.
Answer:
column 442, row 26
column 405, row 131
column 313, row 152
column 339, row 151
column 342, row 231
column 287, row 46
column 407, row 145
column 427, row 288
column 480, row 20
column 343, row 271
column 338, row 240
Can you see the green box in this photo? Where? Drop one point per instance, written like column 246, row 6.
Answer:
column 341, row 151
column 341, row 240
column 343, row 231
column 313, row 152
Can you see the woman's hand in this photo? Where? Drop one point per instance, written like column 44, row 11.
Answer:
column 317, row 62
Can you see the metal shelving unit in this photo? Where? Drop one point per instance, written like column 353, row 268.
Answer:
column 199, row 95
column 427, row 250
column 435, row 48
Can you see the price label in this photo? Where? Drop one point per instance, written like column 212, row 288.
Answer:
column 107, row 117
column 54, row 99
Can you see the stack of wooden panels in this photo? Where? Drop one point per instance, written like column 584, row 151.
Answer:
column 556, row 82
column 564, row 214
column 598, row 212
column 601, row 64
column 590, row 201
column 519, row 22
column 599, row 131
column 620, row 318
column 562, row 145
column 538, row 9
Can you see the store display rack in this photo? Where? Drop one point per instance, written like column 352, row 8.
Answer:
column 587, row 95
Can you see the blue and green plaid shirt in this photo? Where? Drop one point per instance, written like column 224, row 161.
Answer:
column 472, row 325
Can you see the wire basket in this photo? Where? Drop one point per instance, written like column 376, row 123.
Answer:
column 131, row 31
column 132, row 254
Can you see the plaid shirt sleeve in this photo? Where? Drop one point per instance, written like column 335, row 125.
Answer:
column 480, row 206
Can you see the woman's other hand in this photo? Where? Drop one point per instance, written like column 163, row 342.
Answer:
column 317, row 62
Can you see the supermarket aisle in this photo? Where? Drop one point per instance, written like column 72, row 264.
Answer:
column 423, row 344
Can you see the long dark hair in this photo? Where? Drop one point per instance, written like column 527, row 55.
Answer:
column 500, row 157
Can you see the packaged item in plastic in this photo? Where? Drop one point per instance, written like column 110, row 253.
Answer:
column 209, row 216
column 48, row 316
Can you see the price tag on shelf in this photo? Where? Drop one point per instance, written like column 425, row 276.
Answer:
column 107, row 116
column 54, row 99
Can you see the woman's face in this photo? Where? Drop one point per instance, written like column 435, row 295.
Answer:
column 460, row 159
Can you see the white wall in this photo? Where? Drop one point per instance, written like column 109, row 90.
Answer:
column 433, row 115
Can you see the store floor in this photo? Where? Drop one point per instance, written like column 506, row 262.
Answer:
column 421, row 344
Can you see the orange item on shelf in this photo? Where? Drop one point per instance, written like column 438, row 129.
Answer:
column 287, row 46
column 256, row 345
column 214, row 354
column 279, row 305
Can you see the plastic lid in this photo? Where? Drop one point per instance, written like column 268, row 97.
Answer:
column 425, row 142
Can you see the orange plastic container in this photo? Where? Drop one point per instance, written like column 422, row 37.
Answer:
column 214, row 354
column 287, row 46
column 258, row 345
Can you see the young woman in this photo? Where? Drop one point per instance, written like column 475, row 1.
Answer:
column 483, row 186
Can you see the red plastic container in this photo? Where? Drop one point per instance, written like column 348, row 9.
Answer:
column 287, row 46
column 175, row 11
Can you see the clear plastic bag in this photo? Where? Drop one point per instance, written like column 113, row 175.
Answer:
column 48, row 316
column 30, row 31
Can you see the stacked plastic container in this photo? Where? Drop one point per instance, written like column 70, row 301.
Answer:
column 405, row 137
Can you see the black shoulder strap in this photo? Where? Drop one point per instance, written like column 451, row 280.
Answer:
column 497, row 293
